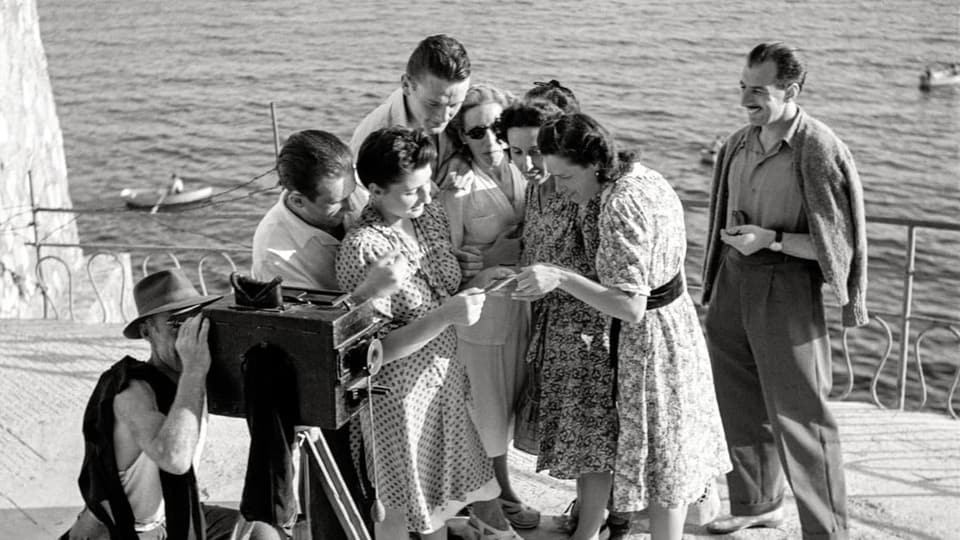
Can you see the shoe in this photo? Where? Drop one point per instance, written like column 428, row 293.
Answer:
column 567, row 521
column 729, row 524
column 618, row 526
column 520, row 515
column 483, row 531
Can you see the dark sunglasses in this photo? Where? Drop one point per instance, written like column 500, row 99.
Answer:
column 479, row 132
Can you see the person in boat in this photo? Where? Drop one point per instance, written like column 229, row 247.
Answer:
column 428, row 458
column 717, row 143
column 176, row 184
column 484, row 215
column 786, row 216
column 144, row 427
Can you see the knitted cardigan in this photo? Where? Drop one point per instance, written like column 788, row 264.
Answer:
column 832, row 202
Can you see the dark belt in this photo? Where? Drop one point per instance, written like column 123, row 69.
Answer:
column 661, row 296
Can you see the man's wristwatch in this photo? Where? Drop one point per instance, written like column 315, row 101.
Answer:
column 777, row 244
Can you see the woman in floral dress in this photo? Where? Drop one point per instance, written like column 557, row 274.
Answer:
column 426, row 456
column 568, row 346
column 671, row 440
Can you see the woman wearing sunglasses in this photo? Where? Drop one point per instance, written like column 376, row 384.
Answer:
column 484, row 212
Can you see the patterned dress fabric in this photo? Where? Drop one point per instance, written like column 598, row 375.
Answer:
column 569, row 345
column 671, row 440
column 429, row 459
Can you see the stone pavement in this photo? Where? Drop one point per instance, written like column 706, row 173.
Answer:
column 902, row 468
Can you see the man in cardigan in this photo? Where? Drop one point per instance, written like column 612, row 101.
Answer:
column 786, row 216
column 143, row 429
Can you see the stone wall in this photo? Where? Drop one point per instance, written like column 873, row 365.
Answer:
column 33, row 172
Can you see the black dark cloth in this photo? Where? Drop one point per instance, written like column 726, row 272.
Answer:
column 99, row 477
column 658, row 298
column 272, row 409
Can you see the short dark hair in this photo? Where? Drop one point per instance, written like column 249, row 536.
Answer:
column 388, row 154
column 582, row 140
column 791, row 67
column 526, row 113
column 440, row 56
column 556, row 93
column 309, row 157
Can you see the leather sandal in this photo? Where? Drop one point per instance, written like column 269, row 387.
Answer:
column 568, row 520
column 484, row 531
column 520, row 515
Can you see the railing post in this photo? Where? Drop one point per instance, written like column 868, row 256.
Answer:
column 36, row 232
column 276, row 132
column 905, row 310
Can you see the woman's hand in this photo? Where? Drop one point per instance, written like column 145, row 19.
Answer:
column 457, row 180
column 505, row 249
column 539, row 279
column 384, row 276
column 464, row 308
column 470, row 260
column 482, row 279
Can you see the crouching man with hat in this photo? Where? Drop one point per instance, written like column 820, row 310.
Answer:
column 143, row 429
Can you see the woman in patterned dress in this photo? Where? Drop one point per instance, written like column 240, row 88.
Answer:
column 426, row 455
column 568, row 347
column 671, row 440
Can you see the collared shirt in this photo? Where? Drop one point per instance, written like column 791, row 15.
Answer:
column 483, row 209
column 764, row 184
column 303, row 255
column 393, row 112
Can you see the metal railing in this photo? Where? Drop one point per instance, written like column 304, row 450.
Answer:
column 906, row 317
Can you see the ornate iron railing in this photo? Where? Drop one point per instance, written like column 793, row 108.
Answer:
column 906, row 317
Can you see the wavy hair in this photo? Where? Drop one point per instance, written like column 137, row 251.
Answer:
column 556, row 93
column 791, row 67
column 580, row 139
column 389, row 154
column 527, row 113
column 440, row 56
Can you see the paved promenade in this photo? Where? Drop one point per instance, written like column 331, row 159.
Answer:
column 902, row 468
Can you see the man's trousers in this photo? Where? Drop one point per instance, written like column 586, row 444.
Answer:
column 770, row 352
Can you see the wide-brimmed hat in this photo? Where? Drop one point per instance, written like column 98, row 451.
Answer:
column 166, row 290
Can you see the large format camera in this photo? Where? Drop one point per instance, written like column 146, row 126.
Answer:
column 331, row 345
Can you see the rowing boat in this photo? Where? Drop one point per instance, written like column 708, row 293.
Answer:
column 162, row 198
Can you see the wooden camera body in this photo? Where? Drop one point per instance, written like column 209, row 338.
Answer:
column 332, row 348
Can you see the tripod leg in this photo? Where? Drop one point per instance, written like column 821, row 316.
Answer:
column 336, row 491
